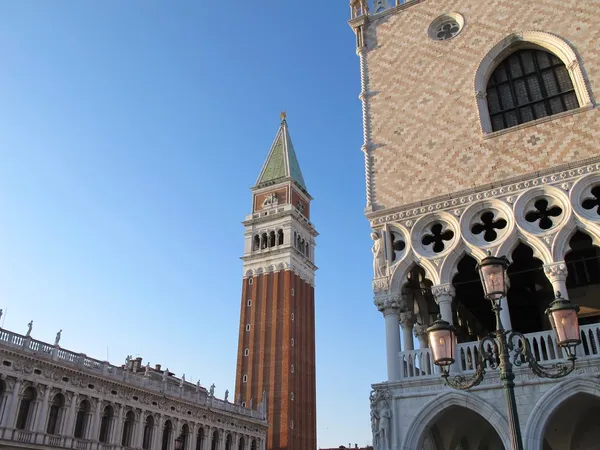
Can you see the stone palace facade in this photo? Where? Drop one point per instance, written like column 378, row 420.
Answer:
column 481, row 136
column 51, row 397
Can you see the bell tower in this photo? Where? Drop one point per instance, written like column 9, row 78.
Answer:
column 276, row 347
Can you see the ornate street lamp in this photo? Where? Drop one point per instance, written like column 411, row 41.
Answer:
column 441, row 342
column 495, row 349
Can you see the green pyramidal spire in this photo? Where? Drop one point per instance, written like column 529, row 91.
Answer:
column 282, row 162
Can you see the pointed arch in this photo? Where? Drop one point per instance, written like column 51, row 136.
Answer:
column 524, row 39
column 449, row 267
column 417, row 430
column 561, row 246
column 544, row 408
column 401, row 270
column 540, row 250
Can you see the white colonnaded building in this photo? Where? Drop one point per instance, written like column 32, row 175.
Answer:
column 51, row 397
column 482, row 136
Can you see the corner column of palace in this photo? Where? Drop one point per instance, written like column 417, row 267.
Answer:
column 389, row 306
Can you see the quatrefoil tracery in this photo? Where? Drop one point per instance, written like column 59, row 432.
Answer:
column 488, row 225
column 398, row 244
column 543, row 214
column 437, row 237
column 594, row 201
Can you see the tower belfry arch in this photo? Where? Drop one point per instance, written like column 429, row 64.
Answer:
column 276, row 346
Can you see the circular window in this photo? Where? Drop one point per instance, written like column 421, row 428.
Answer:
column 446, row 27
column 447, row 30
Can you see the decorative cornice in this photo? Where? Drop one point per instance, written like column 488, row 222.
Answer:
column 53, row 377
column 512, row 187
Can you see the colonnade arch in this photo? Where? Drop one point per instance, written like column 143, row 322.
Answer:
column 436, row 418
column 554, row 422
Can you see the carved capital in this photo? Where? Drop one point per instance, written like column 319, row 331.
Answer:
column 387, row 303
column 420, row 332
column 407, row 319
column 443, row 292
column 556, row 272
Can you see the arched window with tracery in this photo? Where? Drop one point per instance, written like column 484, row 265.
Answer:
column 24, row 417
column 82, row 419
column 148, row 428
column 214, row 445
column 106, row 424
column 167, row 436
column 527, row 85
column 55, row 414
column 200, row 439
column 185, row 435
column 126, row 439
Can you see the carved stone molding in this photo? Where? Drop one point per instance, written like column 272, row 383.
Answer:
column 555, row 176
column 381, row 285
column 556, row 272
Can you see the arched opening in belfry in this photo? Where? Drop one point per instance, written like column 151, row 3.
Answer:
column 575, row 424
column 460, row 428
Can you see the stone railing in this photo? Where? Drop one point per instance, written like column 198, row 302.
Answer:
column 419, row 363
column 360, row 8
column 80, row 361
column 43, row 440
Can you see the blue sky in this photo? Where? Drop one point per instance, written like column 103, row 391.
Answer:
column 130, row 133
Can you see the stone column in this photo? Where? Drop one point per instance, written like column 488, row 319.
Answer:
column 505, row 314
column 157, row 435
column 444, row 293
column 95, row 429
column 118, row 428
column 192, row 437
column 420, row 332
column 557, row 274
column 389, row 307
column 41, row 417
column 70, row 423
column 10, row 415
column 138, row 431
column 208, row 437
column 407, row 322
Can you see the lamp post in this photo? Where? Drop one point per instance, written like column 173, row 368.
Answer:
column 495, row 349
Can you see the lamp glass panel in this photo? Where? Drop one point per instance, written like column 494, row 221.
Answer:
column 441, row 343
column 493, row 280
column 566, row 325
